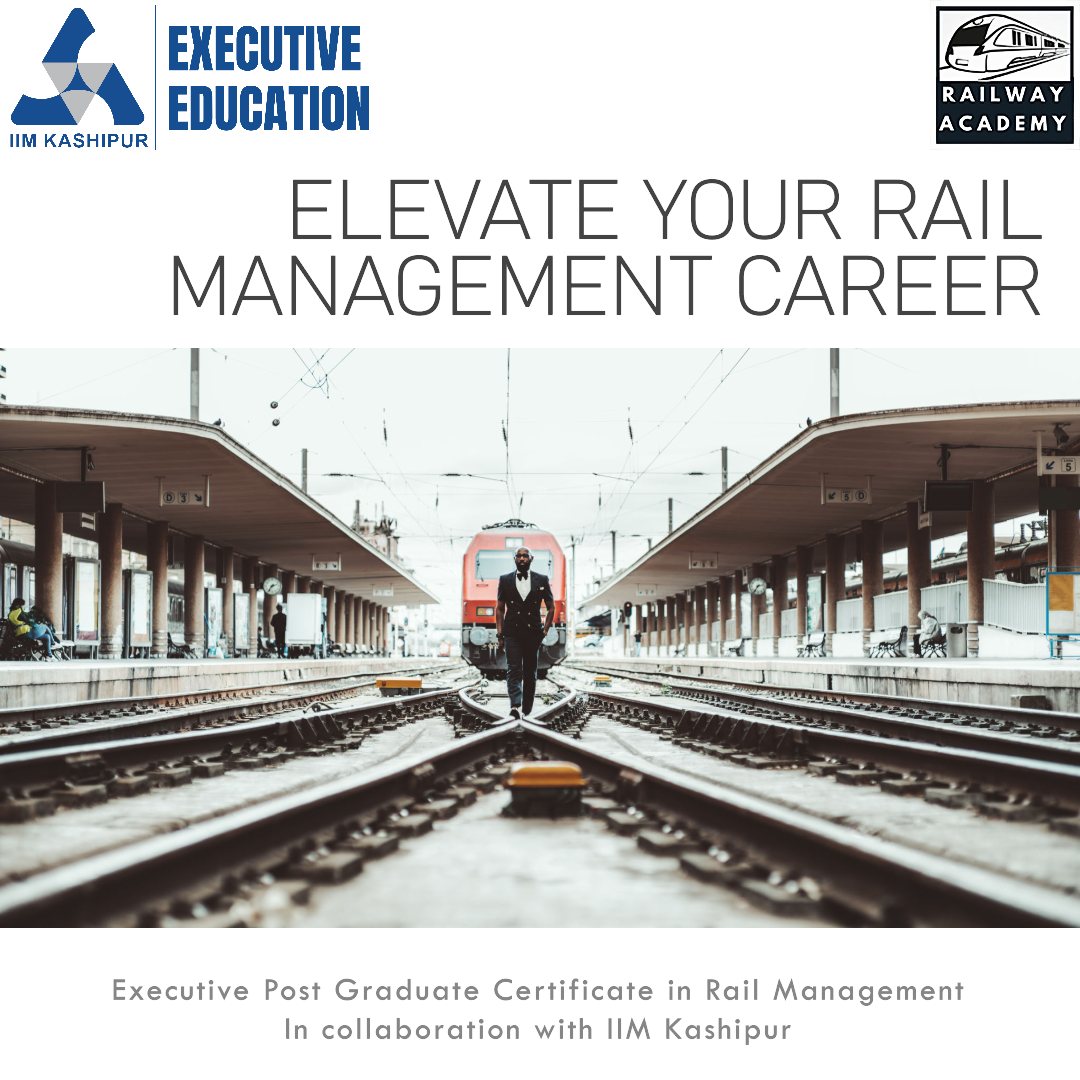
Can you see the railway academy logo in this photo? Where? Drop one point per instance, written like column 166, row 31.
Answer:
column 77, row 83
column 1005, row 75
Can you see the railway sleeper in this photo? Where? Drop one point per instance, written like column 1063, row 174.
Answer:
column 739, row 740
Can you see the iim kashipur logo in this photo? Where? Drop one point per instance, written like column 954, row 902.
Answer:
column 77, row 83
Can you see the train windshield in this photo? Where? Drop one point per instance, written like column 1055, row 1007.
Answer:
column 970, row 35
column 492, row 563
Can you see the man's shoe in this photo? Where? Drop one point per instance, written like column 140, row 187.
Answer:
column 515, row 713
column 525, row 712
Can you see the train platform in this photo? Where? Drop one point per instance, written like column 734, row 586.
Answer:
column 29, row 685
column 1052, row 684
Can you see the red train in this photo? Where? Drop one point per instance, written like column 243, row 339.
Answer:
column 489, row 556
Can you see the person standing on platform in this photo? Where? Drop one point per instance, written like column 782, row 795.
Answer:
column 517, row 623
column 278, row 624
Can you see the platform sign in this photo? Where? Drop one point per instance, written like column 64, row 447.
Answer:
column 383, row 592
column 213, row 612
column 139, row 613
column 646, row 590
column 1062, row 604
column 699, row 562
column 85, row 601
column 241, row 623
column 188, row 495
column 840, row 496
column 1054, row 466
column 326, row 564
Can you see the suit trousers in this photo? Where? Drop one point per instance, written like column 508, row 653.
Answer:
column 522, row 654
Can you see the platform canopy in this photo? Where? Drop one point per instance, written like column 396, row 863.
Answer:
column 252, row 508
column 778, row 504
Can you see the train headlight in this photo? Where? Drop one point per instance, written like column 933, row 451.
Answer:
column 478, row 635
column 485, row 611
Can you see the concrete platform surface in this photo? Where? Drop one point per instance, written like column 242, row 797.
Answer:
column 986, row 682
column 25, row 684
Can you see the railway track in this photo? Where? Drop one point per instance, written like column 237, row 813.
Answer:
column 236, row 868
column 998, row 773
column 1035, row 723
column 161, row 708
column 145, row 721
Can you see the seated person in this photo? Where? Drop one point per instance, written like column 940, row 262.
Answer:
column 929, row 632
column 32, row 625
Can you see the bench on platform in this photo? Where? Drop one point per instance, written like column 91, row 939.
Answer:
column 735, row 647
column 888, row 642
column 934, row 645
column 814, row 645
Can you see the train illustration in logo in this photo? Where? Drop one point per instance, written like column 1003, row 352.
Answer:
column 488, row 557
column 998, row 43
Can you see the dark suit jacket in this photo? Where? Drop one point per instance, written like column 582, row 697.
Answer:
column 522, row 618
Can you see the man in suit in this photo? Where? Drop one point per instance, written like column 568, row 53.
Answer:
column 517, row 622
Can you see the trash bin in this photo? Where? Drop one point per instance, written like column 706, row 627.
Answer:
column 955, row 640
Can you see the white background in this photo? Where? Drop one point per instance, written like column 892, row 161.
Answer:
column 1014, row 1016
column 571, row 91
column 566, row 90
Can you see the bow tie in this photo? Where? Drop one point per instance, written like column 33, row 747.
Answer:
column 521, row 576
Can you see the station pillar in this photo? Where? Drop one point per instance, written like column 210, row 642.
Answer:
column 331, row 612
column 758, row 604
column 736, row 605
column 227, row 599
column 918, row 570
column 340, row 607
column 270, row 603
column 701, row 616
column 873, row 576
column 1066, row 525
column 302, row 583
column 669, row 624
column 110, row 534
column 804, row 564
column 725, row 608
column 48, row 555
column 779, row 599
column 365, row 622
column 194, row 568
column 682, row 624
column 288, row 581
column 385, row 630
column 347, row 603
column 712, row 594
column 834, row 585
column 358, row 622
column 980, row 557
column 251, row 600
column 157, row 562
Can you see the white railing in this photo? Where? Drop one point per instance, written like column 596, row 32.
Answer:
column 764, row 625
column 849, row 615
column 890, row 610
column 1020, row 608
column 789, row 622
column 947, row 603
column 729, row 630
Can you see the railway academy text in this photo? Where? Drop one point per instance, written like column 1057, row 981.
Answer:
column 591, row 279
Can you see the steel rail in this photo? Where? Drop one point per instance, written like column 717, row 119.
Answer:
column 1049, row 779
column 46, row 766
column 879, row 877
column 755, row 692
column 92, row 890
column 884, row 880
column 157, row 723
column 44, row 713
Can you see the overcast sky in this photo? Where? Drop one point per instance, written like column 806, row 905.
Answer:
column 571, row 413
